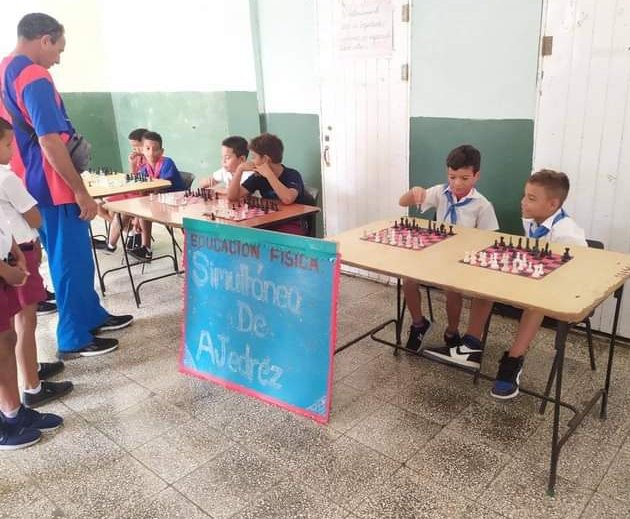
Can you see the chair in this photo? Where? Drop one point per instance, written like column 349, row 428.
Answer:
column 188, row 179
column 512, row 312
column 311, row 197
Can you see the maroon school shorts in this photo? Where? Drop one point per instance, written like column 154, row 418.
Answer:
column 33, row 290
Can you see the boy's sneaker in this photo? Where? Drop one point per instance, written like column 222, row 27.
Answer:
column 134, row 241
column 141, row 253
column 416, row 334
column 467, row 354
column 14, row 438
column 47, row 370
column 113, row 322
column 506, row 384
column 50, row 391
column 46, row 307
column 31, row 419
column 98, row 346
column 452, row 341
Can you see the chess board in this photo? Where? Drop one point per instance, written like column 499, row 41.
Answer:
column 409, row 234
column 219, row 208
column 532, row 262
column 111, row 180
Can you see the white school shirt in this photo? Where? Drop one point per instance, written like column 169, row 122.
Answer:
column 563, row 231
column 223, row 176
column 479, row 213
column 15, row 200
column 6, row 238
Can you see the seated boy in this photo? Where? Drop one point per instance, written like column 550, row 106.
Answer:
column 271, row 178
column 233, row 153
column 156, row 166
column 135, row 162
column 457, row 202
column 544, row 218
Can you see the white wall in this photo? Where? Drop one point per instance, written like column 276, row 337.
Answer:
column 474, row 59
column 116, row 45
column 289, row 56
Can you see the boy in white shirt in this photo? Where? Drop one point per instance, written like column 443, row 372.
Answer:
column 543, row 218
column 456, row 203
column 22, row 218
column 234, row 152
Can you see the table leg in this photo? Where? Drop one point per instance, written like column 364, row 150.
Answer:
column 136, row 294
column 96, row 263
column 611, row 352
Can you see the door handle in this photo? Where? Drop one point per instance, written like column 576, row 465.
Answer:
column 327, row 155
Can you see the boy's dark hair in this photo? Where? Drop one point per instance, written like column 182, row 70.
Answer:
column 137, row 134
column 555, row 183
column 268, row 144
column 5, row 126
column 35, row 25
column 464, row 156
column 152, row 136
column 237, row 144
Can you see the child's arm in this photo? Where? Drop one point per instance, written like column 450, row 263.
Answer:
column 415, row 196
column 235, row 190
column 14, row 275
column 287, row 195
column 33, row 217
column 22, row 201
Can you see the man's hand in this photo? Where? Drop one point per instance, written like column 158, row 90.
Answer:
column 87, row 205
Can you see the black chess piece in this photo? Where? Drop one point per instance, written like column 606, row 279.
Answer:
column 450, row 230
column 519, row 246
column 536, row 248
column 566, row 256
column 511, row 244
column 496, row 244
column 212, row 217
column 527, row 247
column 502, row 242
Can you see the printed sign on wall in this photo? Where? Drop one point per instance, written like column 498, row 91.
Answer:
column 260, row 310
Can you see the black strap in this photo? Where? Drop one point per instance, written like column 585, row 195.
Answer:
column 18, row 117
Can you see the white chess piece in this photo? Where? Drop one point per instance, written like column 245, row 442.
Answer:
column 536, row 273
column 529, row 269
column 482, row 259
column 473, row 258
column 515, row 266
column 494, row 263
column 466, row 257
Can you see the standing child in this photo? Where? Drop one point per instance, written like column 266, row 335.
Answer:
column 233, row 153
column 19, row 426
column 543, row 218
column 271, row 178
column 22, row 218
column 156, row 166
column 457, row 203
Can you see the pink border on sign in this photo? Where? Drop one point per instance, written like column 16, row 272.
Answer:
column 249, row 392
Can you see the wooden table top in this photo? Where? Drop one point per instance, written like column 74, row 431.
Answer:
column 101, row 186
column 173, row 215
column 569, row 293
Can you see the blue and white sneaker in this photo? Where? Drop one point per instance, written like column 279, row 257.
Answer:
column 507, row 382
column 14, row 438
column 467, row 354
column 416, row 334
column 31, row 419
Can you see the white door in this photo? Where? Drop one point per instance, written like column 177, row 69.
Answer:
column 583, row 120
column 364, row 49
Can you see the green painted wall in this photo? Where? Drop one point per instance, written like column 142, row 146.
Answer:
column 192, row 124
column 92, row 114
column 300, row 136
column 506, row 158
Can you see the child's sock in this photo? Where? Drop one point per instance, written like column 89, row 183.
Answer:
column 419, row 324
column 10, row 415
column 35, row 390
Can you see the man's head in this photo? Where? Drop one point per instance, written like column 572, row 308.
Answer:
column 152, row 147
column 462, row 168
column 6, row 141
column 233, row 152
column 41, row 38
column 135, row 139
column 545, row 192
column 266, row 148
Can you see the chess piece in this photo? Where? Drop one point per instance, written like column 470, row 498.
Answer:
column 494, row 264
column 519, row 246
column 502, row 242
column 482, row 259
column 566, row 256
column 473, row 258
column 450, row 230
column 466, row 257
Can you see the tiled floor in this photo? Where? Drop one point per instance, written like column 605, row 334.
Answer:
column 407, row 438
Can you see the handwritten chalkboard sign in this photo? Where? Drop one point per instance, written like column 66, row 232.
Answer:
column 260, row 310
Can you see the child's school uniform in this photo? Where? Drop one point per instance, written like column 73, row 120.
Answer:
column 9, row 304
column 474, row 210
column 165, row 169
column 558, row 228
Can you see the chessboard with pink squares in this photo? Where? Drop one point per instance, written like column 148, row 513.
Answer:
column 526, row 258
column 219, row 208
column 409, row 234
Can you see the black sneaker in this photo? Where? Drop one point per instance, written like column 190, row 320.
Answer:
column 113, row 322
column 467, row 354
column 506, row 384
column 50, row 296
column 416, row 334
column 141, row 253
column 452, row 341
column 50, row 391
column 134, row 241
column 99, row 244
column 46, row 307
column 31, row 419
column 47, row 370
column 98, row 346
